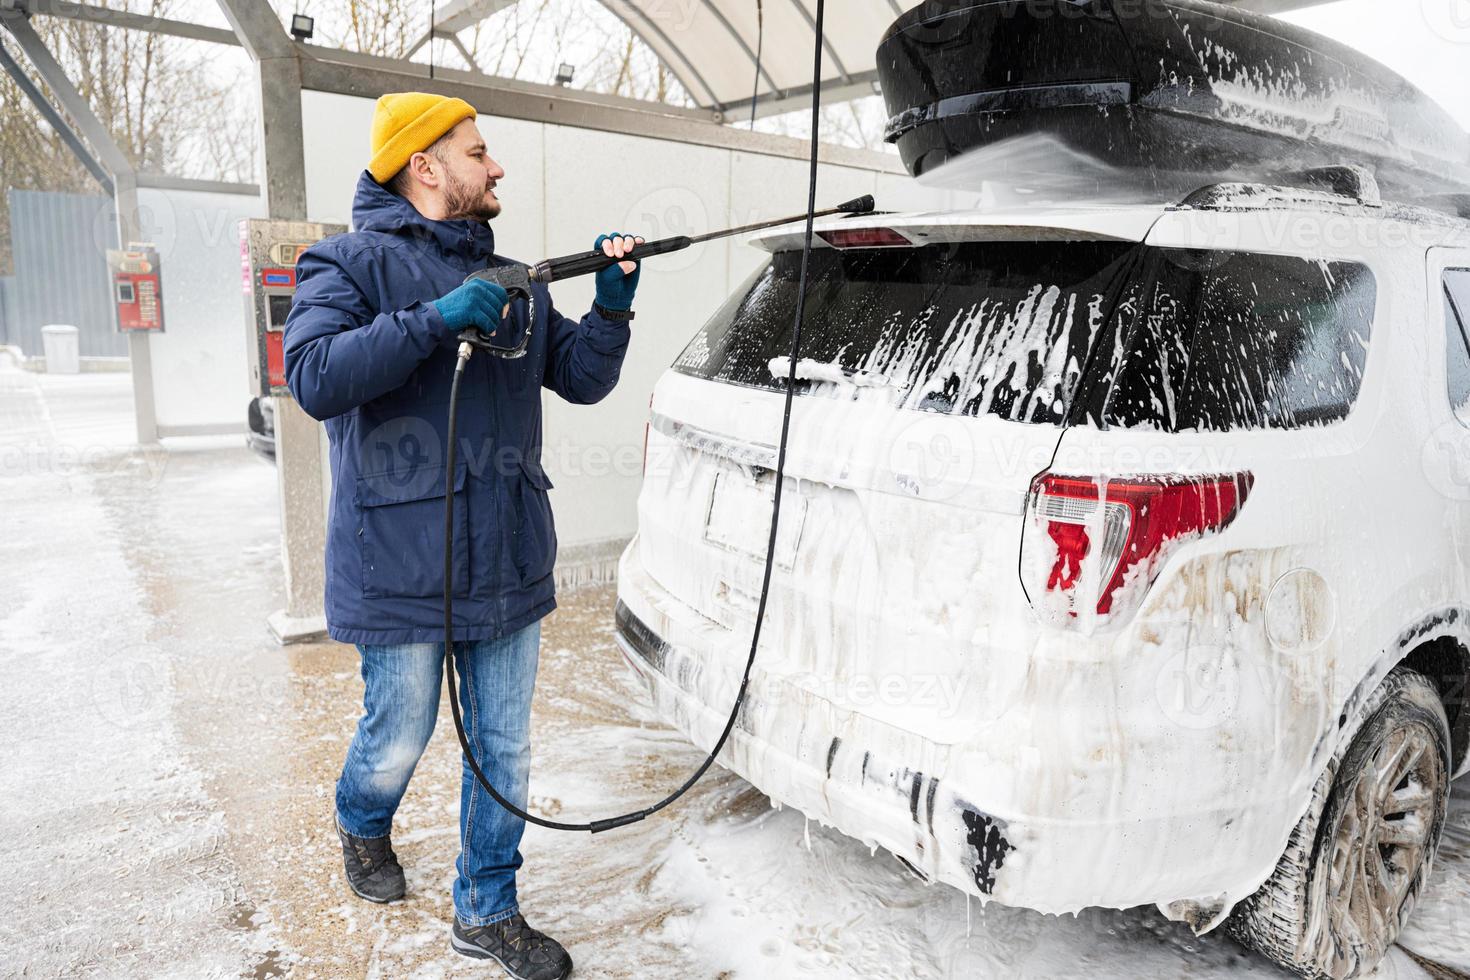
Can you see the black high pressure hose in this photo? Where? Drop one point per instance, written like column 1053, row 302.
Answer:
column 597, row 826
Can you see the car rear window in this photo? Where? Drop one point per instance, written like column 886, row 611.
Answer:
column 1000, row 328
column 1237, row 340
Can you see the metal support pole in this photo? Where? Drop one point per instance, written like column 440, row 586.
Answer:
column 299, row 473
column 303, row 489
column 278, row 79
column 282, row 137
column 140, row 352
column 124, row 195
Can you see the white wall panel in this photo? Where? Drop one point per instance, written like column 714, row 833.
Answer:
column 337, row 147
column 639, row 186
column 199, row 373
column 519, row 147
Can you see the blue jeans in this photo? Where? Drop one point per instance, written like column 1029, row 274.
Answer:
column 400, row 703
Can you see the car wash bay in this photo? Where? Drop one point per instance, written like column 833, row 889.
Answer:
column 191, row 762
column 170, row 769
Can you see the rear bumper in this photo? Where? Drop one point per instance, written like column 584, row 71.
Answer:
column 1071, row 798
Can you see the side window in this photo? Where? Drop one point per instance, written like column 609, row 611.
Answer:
column 1238, row 340
column 1457, row 340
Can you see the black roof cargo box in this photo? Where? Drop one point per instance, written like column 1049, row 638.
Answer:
column 1170, row 85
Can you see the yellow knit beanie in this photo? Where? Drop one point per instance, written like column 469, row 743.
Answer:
column 405, row 123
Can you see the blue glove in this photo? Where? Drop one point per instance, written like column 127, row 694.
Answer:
column 614, row 289
column 477, row 303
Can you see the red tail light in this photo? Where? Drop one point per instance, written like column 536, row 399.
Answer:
column 1080, row 547
column 864, row 238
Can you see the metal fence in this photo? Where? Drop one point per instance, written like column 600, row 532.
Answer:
column 60, row 244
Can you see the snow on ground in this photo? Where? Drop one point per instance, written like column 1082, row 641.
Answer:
column 116, row 858
column 165, row 796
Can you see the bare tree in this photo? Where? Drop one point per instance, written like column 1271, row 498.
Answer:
column 385, row 27
column 526, row 40
column 167, row 106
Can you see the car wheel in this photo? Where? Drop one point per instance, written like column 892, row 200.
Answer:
column 1359, row 857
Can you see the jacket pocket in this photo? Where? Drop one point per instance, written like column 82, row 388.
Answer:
column 533, row 544
column 402, row 533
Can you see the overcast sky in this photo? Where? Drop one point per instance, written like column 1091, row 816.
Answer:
column 1426, row 41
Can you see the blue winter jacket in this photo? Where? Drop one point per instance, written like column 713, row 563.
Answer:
column 368, row 354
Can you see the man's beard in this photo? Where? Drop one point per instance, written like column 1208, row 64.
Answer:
column 464, row 201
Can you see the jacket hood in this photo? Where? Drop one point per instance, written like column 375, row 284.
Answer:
column 375, row 208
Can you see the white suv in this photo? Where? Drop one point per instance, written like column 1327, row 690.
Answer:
column 1122, row 556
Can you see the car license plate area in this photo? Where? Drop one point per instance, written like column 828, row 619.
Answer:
column 739, row 518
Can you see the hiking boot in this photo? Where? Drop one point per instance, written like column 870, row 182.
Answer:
column 525, row 953
column 371, row 866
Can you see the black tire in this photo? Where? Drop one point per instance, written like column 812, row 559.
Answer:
column 1310, row 916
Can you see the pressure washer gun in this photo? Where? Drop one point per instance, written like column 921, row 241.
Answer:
column 516, row 279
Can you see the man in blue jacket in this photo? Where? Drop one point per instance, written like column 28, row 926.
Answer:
column 370, row 350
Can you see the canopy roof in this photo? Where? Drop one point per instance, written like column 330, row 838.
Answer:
column 711, row 45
